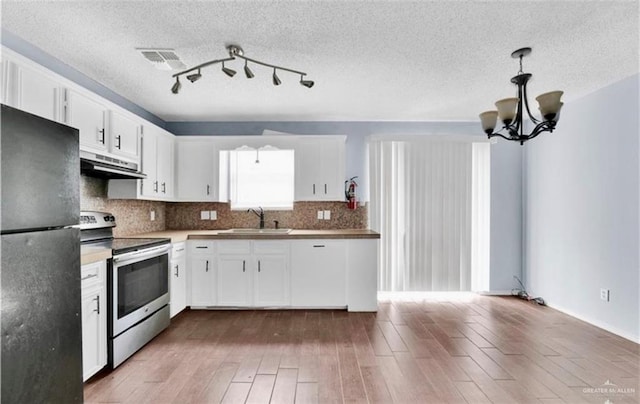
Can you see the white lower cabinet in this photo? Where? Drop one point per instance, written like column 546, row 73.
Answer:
column 310, row 273
column 94, row 318
column 178, row 277
column 201, row 260
column 252, row 273
column 318, row 273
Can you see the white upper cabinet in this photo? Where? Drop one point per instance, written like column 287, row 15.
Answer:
column 197, row 170
column 31, row 89
column 37, row 93
column 157, row 165
column 320, row 168
column 88, row 116
column 124, row 135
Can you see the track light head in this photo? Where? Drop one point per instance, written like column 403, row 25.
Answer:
column 276, row 80
column 306, row 83
column 194, row 77
column 176, row 86
column 247, row 71
column 227, row 71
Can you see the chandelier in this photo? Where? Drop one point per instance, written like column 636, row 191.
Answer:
column 511, row 110
column 236, row 51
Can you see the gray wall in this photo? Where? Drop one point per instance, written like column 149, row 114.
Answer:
column 582, row 204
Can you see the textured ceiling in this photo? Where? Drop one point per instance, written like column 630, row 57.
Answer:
column 385, row 60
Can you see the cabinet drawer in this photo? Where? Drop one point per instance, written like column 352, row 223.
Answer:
column 92, row 274
column 201, row 247
column 234, row 247
column 178, row 250
column 270, row 247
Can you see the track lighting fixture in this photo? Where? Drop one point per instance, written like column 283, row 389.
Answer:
column 247, row 71
column 236, row 51
column 194, row 77
column 176, row 86
column 276, row 80
column 227, row 71
column 306, row 83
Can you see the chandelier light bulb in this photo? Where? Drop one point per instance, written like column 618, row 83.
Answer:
column 489, row 120
column 194, row 77
column 306, row 83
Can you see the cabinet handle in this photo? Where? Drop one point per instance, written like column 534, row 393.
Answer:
column 325, row 189
column 207, row 267
column 97, row 300
column 243, row 265
column 258, row 265
column 318, row 246
column 314, row 189
column 182, row 249
column 177, row 274
column 208, row 189
column 101, row 132
column 118, row 144
column 164, row 188
column 89, row 277
column 155, row 186
column 199, row 246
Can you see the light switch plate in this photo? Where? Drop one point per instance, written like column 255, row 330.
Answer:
column 320, row 215
column 204, row 215
column 152, row 215
column 327, row 215
column 213, row 215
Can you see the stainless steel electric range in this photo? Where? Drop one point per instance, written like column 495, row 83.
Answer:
column 137, row 283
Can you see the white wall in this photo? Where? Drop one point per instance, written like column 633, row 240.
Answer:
column 506, row 216
column 581, row 210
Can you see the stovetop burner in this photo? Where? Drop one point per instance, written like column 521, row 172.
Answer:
column 96, row 229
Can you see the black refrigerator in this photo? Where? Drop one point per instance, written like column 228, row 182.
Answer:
column 41, row 359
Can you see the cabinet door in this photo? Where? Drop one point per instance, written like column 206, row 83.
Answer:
column 196, row 172
column 87, row 115
column 320, row 169
column 331, row 175
column 271, row 281
column 165, row 165
column 202, row 281
column 94, row 332
column 234, row 281
column 124, row 133
column 38, row 94
column 178, row 292
column 318, row 273
column 149, row 162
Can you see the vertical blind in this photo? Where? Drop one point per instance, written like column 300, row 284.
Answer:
column 422, row 203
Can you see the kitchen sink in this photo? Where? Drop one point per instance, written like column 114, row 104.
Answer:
column 258, row 231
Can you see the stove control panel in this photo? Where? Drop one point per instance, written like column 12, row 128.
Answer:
column 96, row 220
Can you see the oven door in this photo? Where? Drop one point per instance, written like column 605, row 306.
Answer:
column 139, row 286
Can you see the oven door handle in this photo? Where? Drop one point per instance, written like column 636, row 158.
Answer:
column 143, row 254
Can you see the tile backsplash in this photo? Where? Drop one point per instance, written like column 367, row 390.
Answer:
column 134, row 216
column 186, row 215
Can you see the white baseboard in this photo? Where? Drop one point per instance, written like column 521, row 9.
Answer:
column 495, row 293
column 599, row 324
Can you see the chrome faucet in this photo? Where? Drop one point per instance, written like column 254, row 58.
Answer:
column 259, row 214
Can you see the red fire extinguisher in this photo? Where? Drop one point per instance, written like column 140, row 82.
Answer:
column 350, row 193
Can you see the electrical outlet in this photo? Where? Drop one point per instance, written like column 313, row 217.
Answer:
column 320, row 215
column 327, row 215
column 604, row 294
column 213, row 215
column 204, row 215
column 152, row 215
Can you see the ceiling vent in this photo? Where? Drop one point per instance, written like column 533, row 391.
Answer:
column 163, row 59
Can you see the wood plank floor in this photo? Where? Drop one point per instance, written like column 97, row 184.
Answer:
column 435, row 349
